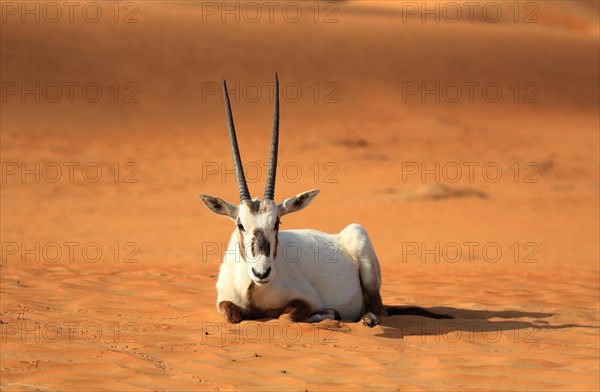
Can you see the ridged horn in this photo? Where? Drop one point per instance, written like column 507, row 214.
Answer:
column 235, row 151
column 270, row 184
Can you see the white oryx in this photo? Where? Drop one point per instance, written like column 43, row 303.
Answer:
column 307, row 274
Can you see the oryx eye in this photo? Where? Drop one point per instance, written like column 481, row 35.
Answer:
column 240, row 226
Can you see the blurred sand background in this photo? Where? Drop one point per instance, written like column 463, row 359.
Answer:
column 527, row 319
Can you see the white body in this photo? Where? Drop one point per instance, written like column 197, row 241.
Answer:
column 325, row 270
column 309, row 275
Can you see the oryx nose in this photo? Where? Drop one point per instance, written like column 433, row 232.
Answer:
column 263, row 275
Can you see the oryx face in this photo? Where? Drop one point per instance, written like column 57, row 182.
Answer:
column 257, row 220
column 257, row 225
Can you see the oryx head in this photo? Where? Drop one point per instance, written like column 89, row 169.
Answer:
column 257, row 220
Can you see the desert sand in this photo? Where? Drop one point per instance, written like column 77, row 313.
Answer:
column 109, row 270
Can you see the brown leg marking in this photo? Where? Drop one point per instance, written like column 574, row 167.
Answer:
column 298, row 310
column 332, row 312
column 372, row 299
column 230, row 312
column 374, row 308
column 375, row 304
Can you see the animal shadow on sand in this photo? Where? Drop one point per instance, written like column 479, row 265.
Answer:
column 466, row 322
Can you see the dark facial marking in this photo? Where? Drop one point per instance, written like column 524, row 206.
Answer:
column 260, row 244
column 265, row 205
column 253, row 205
column 241, row 246
column 276, row 243
column 239, row 225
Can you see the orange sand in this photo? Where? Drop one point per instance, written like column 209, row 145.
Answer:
column 75, row 324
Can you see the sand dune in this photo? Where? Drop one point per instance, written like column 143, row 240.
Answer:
column 142, row 314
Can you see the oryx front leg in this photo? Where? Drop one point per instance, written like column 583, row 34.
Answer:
column 325, row 314
column 300, row 311
column 359, row 247
column 230, row 312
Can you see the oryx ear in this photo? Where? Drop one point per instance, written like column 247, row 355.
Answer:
column 297, row 202
column 220, row 206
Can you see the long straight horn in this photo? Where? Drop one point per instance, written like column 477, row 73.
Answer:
column 270, row 185
column 235, row 151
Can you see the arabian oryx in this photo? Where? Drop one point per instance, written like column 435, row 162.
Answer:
column 267, row 272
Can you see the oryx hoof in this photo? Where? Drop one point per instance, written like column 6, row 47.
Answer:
column 370, row 320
